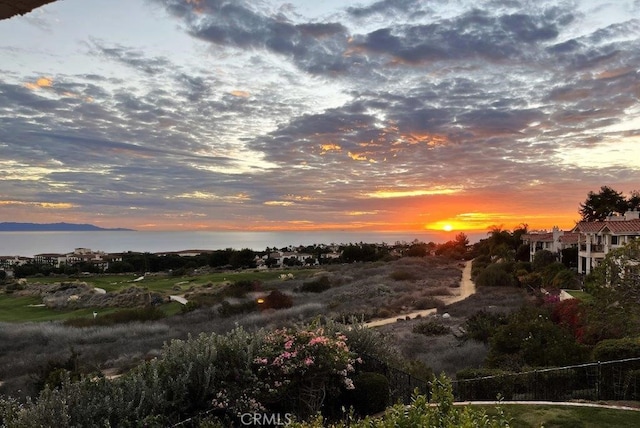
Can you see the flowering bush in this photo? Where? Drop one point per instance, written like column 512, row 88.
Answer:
column 300, row 366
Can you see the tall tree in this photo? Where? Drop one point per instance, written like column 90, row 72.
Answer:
column 634, row 200
column 599, row 205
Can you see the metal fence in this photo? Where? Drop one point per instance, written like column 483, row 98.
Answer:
column 609, row 380
column 402, row 385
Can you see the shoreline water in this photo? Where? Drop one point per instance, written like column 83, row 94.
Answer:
column 27, row 244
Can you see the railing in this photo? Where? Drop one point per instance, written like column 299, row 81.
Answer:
column 402, row 385
column 595, row 248
column 610, row 380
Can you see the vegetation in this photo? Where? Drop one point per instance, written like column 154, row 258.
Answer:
column 606, row 202
column 421, row 413
column 278, row 363
column 534, row 416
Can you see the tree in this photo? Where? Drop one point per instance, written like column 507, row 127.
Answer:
column 542, row 259
column 598, row 206
column 634, row 200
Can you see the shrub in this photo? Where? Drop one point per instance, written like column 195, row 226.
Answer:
column 542, row 259
column 566, row 279
column 299, row 367
column 120, row 317
column 530, row 338
column 419, row 370
column 370, row 345
column 427, row 303
column 277, row 300
column 482, row 325
column 571, row 314
column 431, row 328
column 317, row 286
column 403, row 275
column 241, row 288
column 370, row 394
column 617, row 349
column 421, row 413
column 494, row 276
column 485, row 384
column 227, row 309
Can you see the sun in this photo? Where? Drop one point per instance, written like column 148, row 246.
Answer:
column 447, row 228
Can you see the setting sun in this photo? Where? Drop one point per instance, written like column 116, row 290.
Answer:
column 447, row 228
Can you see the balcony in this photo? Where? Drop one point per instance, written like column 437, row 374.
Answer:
column 595, row 248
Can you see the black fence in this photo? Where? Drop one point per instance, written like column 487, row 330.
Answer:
column 402, row 385
column 609, row 380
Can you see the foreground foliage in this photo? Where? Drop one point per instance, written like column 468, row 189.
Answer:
column 434, row 411
column 237, row 372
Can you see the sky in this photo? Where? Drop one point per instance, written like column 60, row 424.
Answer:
column 383, row 115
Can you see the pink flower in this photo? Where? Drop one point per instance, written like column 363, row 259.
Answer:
column 308, row 361
column 320, row 339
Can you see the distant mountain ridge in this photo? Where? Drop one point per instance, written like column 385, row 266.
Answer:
column 53, row 227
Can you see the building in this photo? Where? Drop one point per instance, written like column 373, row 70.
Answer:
column 8, row 262
column 554, row 241
column 100, row 259
column 597, row 238
column 52, row 259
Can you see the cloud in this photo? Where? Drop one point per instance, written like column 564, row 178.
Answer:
column 43, row 82
column 394, row 110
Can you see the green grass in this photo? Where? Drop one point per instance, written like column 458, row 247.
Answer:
column 16, row 308
column 166, row 284
column 19, row 309
column 549, row 416
column 581, row 295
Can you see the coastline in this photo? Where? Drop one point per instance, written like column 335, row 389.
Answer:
column 27, row 244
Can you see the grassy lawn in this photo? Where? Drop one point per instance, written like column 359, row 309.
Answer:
column 17, row 308
column 526, row 416
column 166, row 284
column 581, row 295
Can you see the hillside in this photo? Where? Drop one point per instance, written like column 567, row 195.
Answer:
column 52, row 227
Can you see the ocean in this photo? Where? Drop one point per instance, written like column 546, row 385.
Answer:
column 28, row 244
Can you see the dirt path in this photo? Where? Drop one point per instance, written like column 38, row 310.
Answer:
column 467, row 288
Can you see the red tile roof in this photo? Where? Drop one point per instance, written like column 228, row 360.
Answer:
column 538, row 236
column 588, row 226
column 623, row 227
column 570, row 238
column 616, row 227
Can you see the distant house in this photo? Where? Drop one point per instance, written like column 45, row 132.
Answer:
column 52, row 259
column 597, row 238
column 554, row 241
column 80, row 255
column 9, row 262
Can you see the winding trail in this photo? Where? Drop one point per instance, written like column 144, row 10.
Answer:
column 467, row 288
